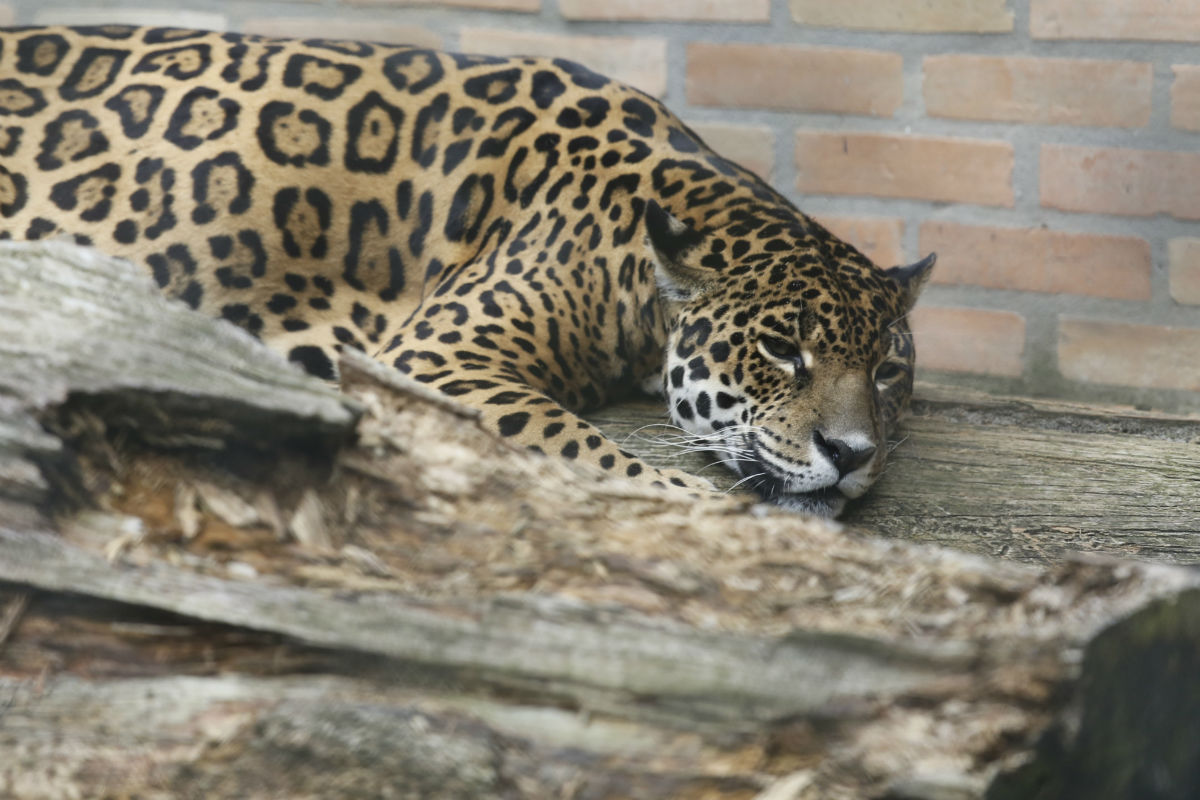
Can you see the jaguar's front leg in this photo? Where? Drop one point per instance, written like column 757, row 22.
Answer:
column 524, row 414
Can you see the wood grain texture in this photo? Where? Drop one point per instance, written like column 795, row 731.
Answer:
column 1007, row 477
column 75, row 322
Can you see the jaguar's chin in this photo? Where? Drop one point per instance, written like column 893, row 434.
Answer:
column 825, row 502
column 828, row 502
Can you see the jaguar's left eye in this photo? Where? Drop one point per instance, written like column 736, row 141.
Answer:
column 780, row 348
column 886, row 371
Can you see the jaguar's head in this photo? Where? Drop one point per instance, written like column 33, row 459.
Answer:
column 788, row 350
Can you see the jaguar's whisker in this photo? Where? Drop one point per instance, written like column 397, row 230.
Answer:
column 743, row 480
column 723, row 462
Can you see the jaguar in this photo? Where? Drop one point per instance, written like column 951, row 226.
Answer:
column 524, row 234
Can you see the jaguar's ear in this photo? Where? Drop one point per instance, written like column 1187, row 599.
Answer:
column 673, row 243
column 911, row 279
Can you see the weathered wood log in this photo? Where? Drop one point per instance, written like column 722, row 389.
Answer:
column 1017, row 478
column 406, row 606
column 75, row 322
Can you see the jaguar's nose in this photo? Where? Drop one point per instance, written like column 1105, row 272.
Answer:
column 845, row 457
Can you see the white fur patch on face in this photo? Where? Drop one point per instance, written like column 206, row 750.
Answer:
column 818, row 473
column 854, row 484
column 653, row 385
column 695, row 408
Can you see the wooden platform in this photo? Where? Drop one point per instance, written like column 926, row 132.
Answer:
column 1014, row 478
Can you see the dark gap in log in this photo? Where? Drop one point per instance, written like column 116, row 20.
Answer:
column 67, row 633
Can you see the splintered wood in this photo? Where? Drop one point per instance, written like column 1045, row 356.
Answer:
column 406, row 606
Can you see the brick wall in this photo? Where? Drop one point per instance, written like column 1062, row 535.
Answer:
column 1048, row 150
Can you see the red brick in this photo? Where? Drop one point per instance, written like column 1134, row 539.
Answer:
column 1154, row 20
column 1109, row 180
column 913, row 16
column 878, row 238
column 1183, row 258
column 751, row 146
column 1185, row 97
column 969, row 340
column 364, row 31
column 1039, row 260
column 1129, row 355
column 885, row 165
column 791, row 78
column 638, row 61
column 1051, row 91
column 672, row 10
column 487, row 5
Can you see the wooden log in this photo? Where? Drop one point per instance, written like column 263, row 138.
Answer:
column 420, row 609
column 25, row 450
column 77, row 323
column 1033, row 480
